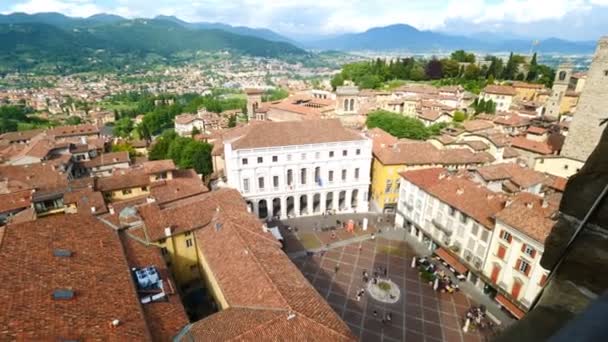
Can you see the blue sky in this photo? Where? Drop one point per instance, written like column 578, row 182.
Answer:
column 569, row 19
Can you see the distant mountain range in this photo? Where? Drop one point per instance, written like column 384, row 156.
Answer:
column 402, row 37
column 28, row 41
column 53, row 41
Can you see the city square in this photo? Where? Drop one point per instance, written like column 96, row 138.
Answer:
column 336, row 268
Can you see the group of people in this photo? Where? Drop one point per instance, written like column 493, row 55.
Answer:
column 386, row 319
column 477, row 316
column 441, row 281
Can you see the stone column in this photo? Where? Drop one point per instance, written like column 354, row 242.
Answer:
column 256, row 208
column 296, row 205
column 347, row 200
column 322, row 198
column 283, row 213
column 270, row 205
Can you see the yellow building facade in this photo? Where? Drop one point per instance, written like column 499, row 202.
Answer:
column 182, row 257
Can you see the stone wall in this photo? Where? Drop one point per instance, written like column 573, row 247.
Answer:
column 592, row 107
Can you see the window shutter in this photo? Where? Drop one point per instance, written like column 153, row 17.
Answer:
column 523, row 247
column 518, row 264
column 501, row 252
column 543, row 280
column 533, row 253
column 527, row 272
column 510, row 238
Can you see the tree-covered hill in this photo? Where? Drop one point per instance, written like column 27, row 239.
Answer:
column 114, row 43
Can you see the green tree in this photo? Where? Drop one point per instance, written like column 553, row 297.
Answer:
column 232, row 121
column 532, row 69
column 176, row 149
column 471, row 72
column 275, row 95
column 510, row 69
column 126, row 147
column 197, row 155
column 398, row 125
column 160, row 148
column 434, row 69
column 450, row 67
column 462, row 56
column 337, row 80
column 123, row 127
column 73, row 120
column 417, row 73
column 195, row 131
column 370, row 82
column 459, row 116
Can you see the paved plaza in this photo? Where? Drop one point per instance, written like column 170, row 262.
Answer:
column 420, row 314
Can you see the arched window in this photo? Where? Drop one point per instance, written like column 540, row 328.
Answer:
column 352, row 105
column 562, row 75
column 346, row 105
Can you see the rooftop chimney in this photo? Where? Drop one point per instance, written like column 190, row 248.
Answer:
column 93, row 210
column 545, row 203
column 111, row 209
column 460, row 191
column 529, row 205
column 508, row 202
column 150, row 199
column 168, row 231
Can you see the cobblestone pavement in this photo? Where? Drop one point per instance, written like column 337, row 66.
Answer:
column 421, row 314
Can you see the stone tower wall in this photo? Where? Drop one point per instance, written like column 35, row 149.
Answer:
column 585, row 131
column 559, row 89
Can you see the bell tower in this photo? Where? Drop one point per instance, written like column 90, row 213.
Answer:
column 254, row 100
column 560, row 86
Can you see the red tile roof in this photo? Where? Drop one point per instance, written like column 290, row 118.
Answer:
column 40, row 176
column 528, row 215
column 468, row 197
column 273, row 300
column 536, row 130
column 424, row 153
column 158, row 166
column 424, row 178
column 519, row 175
column 96, row 271
column 477, row 125
column 289, row 133
column 15, row 200
column 107, row 159
column 121, row 181
column 500, row 90
column 531, row 145
column 167, row 317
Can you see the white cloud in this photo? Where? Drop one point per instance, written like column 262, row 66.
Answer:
column 326, row 16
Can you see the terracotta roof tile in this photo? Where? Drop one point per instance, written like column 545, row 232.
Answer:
column 468, row 197
column 15, row 201
column 123, row 181
column 519, row 175
column 424, row 153
column 165, row 318
column 500, row 90
column 477, row 125
column 531, row 145
column 528, row 215
column 86, row 199
column 424, row 178
column 107, row 159
column 157, row 166
column 96, row 272
column 40, row 176
column 288, row 133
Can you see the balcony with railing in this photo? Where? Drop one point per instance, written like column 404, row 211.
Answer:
column 442, row 227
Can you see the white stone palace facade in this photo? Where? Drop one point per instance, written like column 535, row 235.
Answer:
column 291, row 169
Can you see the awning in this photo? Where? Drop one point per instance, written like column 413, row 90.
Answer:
column 451, row 260
column 512, row 308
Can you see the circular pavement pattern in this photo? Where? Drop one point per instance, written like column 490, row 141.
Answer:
column 385, row 291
